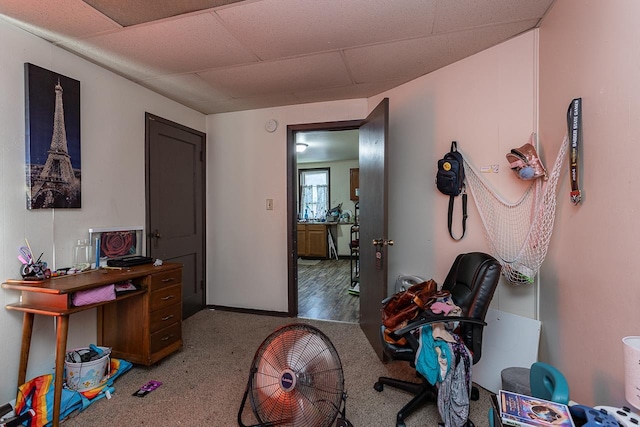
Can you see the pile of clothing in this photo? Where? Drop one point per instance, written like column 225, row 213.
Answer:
column 442, row 357
column 444, row 360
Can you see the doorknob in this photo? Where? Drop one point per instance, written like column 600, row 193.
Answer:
column 156, row 235
column 382, row 242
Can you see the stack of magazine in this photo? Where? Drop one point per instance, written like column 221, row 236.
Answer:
column 525, row 411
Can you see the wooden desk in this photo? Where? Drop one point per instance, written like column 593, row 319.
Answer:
column 136, row 337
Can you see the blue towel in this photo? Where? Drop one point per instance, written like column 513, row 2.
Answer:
column 427, row 363
column 37, row 394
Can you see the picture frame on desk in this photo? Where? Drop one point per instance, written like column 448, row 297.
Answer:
column 116, row 242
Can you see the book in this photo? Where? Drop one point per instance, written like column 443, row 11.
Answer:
column 526, row 411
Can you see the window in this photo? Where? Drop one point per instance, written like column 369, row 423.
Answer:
column 314, row 193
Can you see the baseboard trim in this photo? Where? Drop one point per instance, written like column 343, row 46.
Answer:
column 249, row 311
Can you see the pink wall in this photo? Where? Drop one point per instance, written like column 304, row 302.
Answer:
column 590, row 289
column 487, row 103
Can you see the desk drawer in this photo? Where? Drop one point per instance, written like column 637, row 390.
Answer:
column 166, row 337
column 165, row 297
column 165, row 316
column 167, row 278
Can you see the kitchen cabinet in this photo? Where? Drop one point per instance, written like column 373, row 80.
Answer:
column 354, row 183
column 313, row 240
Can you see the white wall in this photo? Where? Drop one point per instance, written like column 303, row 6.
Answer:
column 246, row 244
column 590, row 292
column 112, row 137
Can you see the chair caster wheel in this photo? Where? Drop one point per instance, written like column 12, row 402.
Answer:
column 378, row 387
column 400, row 424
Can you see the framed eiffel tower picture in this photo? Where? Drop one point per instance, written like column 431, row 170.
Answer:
column 52, row 104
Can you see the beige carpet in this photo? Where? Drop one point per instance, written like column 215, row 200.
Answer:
column 203, row 384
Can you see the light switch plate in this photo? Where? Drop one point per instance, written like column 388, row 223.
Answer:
column 269, row 204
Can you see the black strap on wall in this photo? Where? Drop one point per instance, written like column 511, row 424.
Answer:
column 464, row 213
column 574, row 127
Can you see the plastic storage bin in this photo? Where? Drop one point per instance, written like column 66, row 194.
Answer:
column 82, row 376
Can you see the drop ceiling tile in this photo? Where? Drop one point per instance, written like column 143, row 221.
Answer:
column 224, row 46
column 462, row 14
column 71, row 18
column 354, row 91
column 127, row 12
column 185, row 87
column 229, row 105
column 190, row 43
column 284, row 28
column 309, row 72
column 117, row 63
column 413, row 58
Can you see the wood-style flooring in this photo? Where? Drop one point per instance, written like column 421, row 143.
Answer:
column 322, row 292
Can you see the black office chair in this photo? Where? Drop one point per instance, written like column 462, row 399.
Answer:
column 472, row 280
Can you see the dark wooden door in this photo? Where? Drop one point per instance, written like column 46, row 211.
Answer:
column 374, row 135
column 175, row 203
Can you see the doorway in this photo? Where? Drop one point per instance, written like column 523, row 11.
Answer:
column 326, row 216
column 318, row 282
column 373, row 240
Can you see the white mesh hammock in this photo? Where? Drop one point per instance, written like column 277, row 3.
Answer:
column 518, row 233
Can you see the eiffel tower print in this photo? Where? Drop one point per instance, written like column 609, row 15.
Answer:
column 56, row 183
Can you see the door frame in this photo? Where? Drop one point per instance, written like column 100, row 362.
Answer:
column 292, row 190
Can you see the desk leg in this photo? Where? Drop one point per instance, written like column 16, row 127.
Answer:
column 27, row 329
column 61, row 344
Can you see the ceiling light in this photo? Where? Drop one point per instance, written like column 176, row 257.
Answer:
column 300, row 147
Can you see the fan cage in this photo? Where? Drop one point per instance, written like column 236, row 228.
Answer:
column 296, row 378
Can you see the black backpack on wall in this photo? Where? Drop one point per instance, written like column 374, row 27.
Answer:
column 450, row 181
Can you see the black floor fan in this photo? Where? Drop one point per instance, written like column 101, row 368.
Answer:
column 296, row 380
